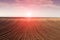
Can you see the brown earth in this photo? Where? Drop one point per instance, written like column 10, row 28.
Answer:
column 30, row 29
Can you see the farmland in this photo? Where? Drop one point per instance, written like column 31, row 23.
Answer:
column 29, row 28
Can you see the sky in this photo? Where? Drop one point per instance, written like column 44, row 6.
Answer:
column 56, row 2
column 29, row 8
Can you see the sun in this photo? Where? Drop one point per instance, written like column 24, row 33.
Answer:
column 29, row 14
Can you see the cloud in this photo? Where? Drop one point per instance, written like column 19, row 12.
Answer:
column 32, row 3
column 7, row 1
column 35, row 2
